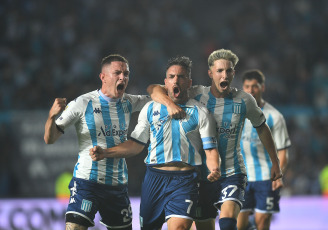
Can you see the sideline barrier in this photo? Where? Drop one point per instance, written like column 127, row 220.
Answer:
column 297, row 213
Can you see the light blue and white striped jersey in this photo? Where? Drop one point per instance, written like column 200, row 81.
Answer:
column 175, row 140
column 100, row 120
column 230, row 114
column 257, row 159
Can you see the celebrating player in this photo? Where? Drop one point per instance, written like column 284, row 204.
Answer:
column 101, row 117
column 230, row 108
column 170, row 186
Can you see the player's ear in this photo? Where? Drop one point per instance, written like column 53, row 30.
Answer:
column 165, row 79
column 263, row 88
column 102, row 77
column 210, row 74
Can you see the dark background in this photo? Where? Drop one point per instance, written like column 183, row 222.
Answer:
column 52, row 49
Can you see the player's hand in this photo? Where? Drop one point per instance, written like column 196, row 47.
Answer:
column 97, row 153
column 214, row 175
column 176, row 112
column 277, row 184
column 276, row 172
column 58, row 107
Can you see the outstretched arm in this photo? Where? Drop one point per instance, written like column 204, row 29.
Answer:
column 268, row 142
column 213, row 164
column 159, row 94
column 51, row 132
column 124, row 150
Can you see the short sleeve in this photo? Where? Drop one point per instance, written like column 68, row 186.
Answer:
column 141, row 133
column 253, row 111
column 70, row 115
column 207, row 129
column 280, row 134
column 138, row 101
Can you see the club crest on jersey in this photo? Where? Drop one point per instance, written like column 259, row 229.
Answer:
column 237, row 108
column 190, row 111
column 125, row 107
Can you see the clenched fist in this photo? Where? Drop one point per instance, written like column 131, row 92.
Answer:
column 97, row 153
column 58, row 107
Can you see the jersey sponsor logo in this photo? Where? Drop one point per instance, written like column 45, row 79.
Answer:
column 112, row 132
column 97, row 110
column 86, row 205
column 227, row 131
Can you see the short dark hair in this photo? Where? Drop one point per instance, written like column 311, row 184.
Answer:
column 254, row 74
column 113, row 57
column 183, row 61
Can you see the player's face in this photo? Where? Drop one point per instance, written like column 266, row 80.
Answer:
column 254, row 88
column 222, row 74
column 115, row 78
column 177, row 83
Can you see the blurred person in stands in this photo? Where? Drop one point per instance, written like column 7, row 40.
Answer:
column 101, row 117
column 230, row 108
column 262, row 194
column 170, row 186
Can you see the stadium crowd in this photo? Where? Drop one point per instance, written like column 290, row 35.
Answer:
column 51, row 49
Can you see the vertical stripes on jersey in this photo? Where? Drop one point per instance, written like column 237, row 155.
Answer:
column 190, row 125
column 160, row 157
column 267, row 157
column 109, row 139
column 253, row 148
column 176, row 140
column 122, row 109
column 169, row 137
column 225, row 143
column 239, row 108
column 90, row 120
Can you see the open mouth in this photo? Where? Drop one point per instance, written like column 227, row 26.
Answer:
column 176, row 91
column 224, row 84
column 120, row 87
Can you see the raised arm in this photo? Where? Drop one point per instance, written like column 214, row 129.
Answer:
column 267, row 140
column 51, row 132
column 213, row 162
column 124, row 150
column 159, row 94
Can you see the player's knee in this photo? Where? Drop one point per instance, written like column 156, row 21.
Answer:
column 228, row 223
column 77, row 219
column 263, row 223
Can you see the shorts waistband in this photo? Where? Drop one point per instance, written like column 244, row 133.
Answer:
column 170, row 173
